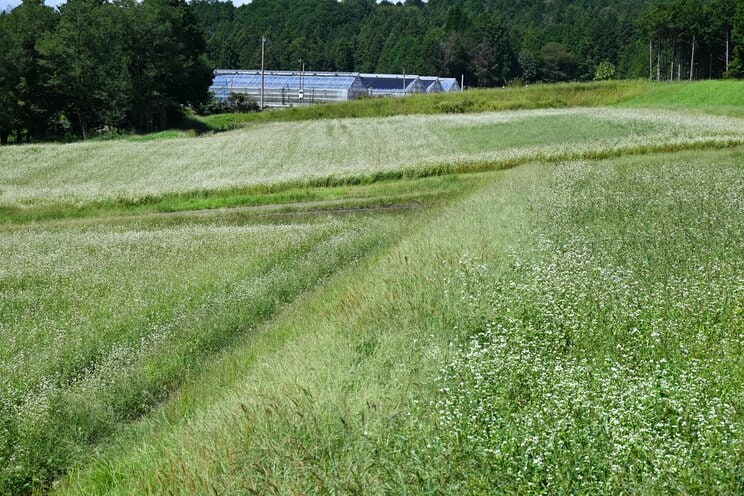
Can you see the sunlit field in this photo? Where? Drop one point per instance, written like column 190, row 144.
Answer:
column 100, row 323
column 570, row 328
column 297, row 153
column 530, row 302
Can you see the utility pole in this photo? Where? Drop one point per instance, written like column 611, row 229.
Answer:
column 462, row 82
column 302, row 81
column 263, row 43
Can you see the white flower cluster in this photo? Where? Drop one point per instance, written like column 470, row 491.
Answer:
column 610, row 359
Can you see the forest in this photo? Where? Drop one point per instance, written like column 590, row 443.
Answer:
column 91, row 66
column 490, row 42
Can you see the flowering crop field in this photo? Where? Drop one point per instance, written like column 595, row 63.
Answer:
column 100, row 322
column 571, row 328
column 572, row 325
column 274, row 153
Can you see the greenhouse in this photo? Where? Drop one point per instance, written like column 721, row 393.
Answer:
column 432, row 85
column 285, row 89
column 392, row 84
column 445, row 85
column 292, row 88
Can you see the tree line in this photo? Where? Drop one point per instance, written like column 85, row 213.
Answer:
column 692, row 39
column 93, row 65
column 490, row 42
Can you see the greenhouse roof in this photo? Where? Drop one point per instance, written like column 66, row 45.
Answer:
column 390, row 82
column 284, row 79
column 448, row 84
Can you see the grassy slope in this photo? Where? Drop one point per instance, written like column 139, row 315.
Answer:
column 611, row 298
column 720, row 97
column 711, row 97
column 291, row 155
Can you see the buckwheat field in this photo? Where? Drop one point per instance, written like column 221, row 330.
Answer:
column 524, row 302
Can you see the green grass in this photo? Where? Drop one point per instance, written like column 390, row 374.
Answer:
column 100, row 323
column 560, row 313
column 711, row 97
column 570, row 329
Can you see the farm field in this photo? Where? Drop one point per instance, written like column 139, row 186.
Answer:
column 319, row 152
column 541, row 301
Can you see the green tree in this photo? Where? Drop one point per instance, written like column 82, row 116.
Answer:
column 737, row 36
column 27, row 105
column 86, row 59
column 166, row 66
column 558, row 63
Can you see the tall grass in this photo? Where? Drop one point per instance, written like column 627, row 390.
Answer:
column 101, row 323
column 572, row 328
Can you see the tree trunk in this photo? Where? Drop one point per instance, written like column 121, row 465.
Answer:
column 4, row 137
column 727, row 51
column 650, row 59
column 671, row 65
column 710, row 64
column 82, row 126
column 692, row 57
column 658, row 63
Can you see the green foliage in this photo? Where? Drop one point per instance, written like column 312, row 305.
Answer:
column 486, row 41
column 86, row 58
column 240, row 102
column 558, row 63
column 605, row 72
column 98, row 67
column 167, row 67
column 27, row 105
column 481, row 40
